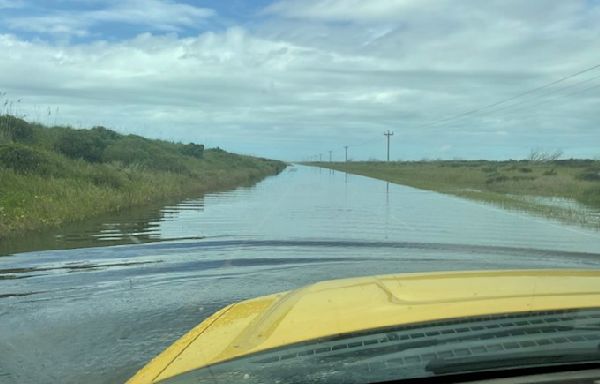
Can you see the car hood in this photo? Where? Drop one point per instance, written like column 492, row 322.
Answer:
column 352, row 305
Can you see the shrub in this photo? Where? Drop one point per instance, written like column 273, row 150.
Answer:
column 109, row 177
column 591, row 196
column 129, row 150
column 550, row 172
column 23, row 159
column 590, row 174
column 134, row 150
column 193, row 150
column 4, row 138
column 219, row 150
column 15, row 129
column 523, row 178
column 525, row 170
column 489, row 169
column 83, row 144
column 106, row 134
column 538, row 154
column 575, row 162
column 167, row 162
column 496, row 179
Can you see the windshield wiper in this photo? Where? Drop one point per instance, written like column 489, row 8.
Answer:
column 534, row 338
column 441, row 366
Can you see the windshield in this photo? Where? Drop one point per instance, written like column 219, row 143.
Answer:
column 166, row 162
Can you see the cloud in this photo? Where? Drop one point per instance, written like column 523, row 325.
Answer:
column 416, row 11
column 164, row 14
column 347, row 9
column 62, row 24
column 157, row 15
column 11, row 4
column 289, row 87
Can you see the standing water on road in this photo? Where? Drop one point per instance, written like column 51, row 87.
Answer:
column 97, row 314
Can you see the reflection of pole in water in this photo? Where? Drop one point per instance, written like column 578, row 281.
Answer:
column 346, row 177
column 387, row 193
column 387, row 209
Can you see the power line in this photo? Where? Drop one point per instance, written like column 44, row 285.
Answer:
column 517, row 96
column 543, row 101
column 502, row 102
column 521, row 106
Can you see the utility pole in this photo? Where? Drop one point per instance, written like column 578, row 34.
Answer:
column 346, row 148
column 320, row 157
column 388, row 134
column 330, row 156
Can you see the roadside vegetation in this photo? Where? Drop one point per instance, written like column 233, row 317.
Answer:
column 561, row 189
column 51, row 176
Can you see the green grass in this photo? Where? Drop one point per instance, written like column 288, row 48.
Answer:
column 509, row 184
column 53, row 176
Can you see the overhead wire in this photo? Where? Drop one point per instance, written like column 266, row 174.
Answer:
column 523, row 105
column 490, row 108
column 512, row 98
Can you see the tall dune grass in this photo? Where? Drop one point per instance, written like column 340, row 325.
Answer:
column 44, row 184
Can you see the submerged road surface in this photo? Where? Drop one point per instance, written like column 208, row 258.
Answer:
column 96, row 315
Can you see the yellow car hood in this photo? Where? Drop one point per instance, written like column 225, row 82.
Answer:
column 350, row 305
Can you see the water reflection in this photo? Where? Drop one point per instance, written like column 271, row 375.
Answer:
column 137, row 225
column 315, row 203
column 387, row 194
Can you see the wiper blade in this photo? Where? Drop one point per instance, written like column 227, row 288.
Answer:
column 441, row 366
column 478, row 343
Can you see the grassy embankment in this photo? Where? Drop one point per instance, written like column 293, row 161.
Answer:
column 51, row 176
column 510, row 184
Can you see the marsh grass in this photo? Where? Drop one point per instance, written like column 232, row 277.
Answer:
column 41, row 186
column 508, row 184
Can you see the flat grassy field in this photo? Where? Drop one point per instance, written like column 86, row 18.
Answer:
column 52, row 176
column 543, row 187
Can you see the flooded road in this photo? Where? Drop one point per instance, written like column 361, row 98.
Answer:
column 96, row 315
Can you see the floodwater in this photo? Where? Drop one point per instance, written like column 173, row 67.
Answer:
column 123, row 288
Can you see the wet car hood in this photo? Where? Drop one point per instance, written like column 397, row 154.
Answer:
column 351, row 305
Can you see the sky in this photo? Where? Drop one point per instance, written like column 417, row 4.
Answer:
column 292, row 79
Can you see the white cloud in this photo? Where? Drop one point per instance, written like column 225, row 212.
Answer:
column 347, row 9
column 161, row 15
column 67, row 25
column 166, row 14
column 291, row 88
column 8, row 4
column 416, row 11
